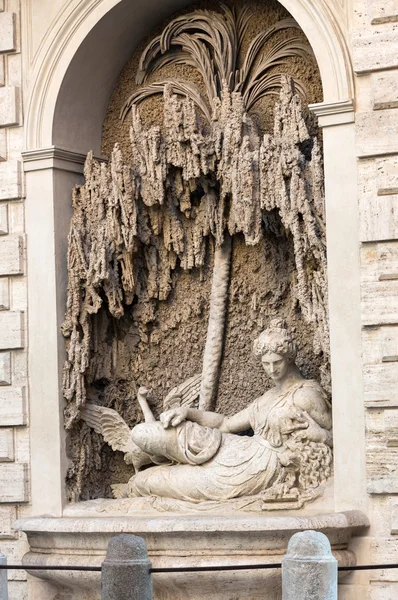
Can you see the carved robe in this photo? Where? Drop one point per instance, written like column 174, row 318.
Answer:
column 239, row 466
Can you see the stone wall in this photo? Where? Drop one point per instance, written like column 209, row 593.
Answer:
column 14, row 436
column 375, row 61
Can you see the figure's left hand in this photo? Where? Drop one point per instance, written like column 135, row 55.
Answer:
column 314, row 433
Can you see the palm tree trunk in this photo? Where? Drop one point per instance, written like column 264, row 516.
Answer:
column 216, row 327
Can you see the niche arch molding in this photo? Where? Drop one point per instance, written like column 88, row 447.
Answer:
column 73, row 75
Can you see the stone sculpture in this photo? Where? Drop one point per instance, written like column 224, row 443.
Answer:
column 189, row 188
column 289, row 455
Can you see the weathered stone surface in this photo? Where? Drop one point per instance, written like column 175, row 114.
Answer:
column 7, row 32
column 14, row 483
column 9, row 105
column 12, row 406
column 3, row 219
column 2, row 72
column 8, row 514
column 378, row 199
column 6, row 445
column 198, row 540
column 381, row 384
column 391, row 425
column 394, row 516
column 379, row 290
column 4, row 293
column 5, row 368
column 385, row 90
column 309, row 569
column 378, row 218
column 126, row 569
column 18, row 590
column 376, row 132
column 11, row 330
column 383, row 11
column 11, row 255
column 3, row 144
column 375, row 48
column 10, row 180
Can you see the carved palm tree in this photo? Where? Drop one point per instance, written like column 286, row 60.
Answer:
column 211, row 42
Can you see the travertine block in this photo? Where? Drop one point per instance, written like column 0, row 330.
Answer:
column 16, row 222
column 384, row 550
column 381, row 591
column 8, row 514
column 379, row 289
column 3, row 219
column 9, row 106
column 385, row 90
column 7, row 32
column 3, row 145
column 18, row 293
column 12, row 406
column 11, row 330
column 10, row 180
column 380, row 345
column 5, row 368
column 13, row 479
column 375, row 48
column 381, row 384
column 19, row 367
column 378, row 218
column 394, row 516
column 22, row 444
column 377, row 132
column 11, row 255
column 14, row 550
column 6, row 445
column 383, row 11
column 4, row 293
column 18, row 590
column 14, row 69
column 2, row 71
column 391, row 427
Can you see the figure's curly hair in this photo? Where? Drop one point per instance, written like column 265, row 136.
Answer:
column 275, row 339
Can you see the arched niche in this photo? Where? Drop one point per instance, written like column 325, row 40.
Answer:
column 74, row 74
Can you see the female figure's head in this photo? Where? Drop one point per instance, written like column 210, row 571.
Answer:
column 277, row 350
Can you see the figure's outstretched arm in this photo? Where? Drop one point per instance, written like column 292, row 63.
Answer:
column 175, row 416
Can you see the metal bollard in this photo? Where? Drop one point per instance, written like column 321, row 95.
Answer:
column 3, row 579
column 125, row 571
column 309, row 570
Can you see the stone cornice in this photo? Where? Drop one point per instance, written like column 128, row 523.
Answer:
column 334, row 113
column 53, row 158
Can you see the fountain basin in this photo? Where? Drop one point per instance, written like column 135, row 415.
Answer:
column 81, row 537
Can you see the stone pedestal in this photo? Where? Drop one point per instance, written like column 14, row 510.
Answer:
column 181, row 540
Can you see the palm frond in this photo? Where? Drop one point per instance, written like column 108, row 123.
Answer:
column 258, row 43
column 182, row 88
column 276, row 56
column 270, row 85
